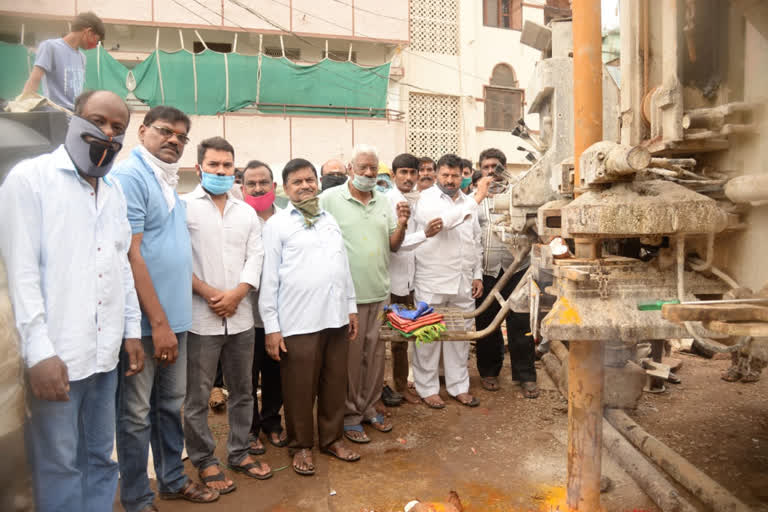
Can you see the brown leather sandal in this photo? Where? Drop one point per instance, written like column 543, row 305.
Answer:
column 193, row 492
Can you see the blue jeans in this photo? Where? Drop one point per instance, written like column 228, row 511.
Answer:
column 70, row 447
column 149, row 411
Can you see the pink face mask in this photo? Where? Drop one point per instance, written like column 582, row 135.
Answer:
column 261, row 203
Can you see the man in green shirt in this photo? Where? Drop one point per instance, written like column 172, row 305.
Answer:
column 370, row 232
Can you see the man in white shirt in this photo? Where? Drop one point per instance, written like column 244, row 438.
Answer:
column 65, row 239
column 310, row 316
column 226, row 259
column 402, row 264
column 448, row 273
column 258, row 190
column 427, row 173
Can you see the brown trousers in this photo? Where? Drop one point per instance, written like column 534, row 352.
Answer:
column 400, row 349
column 365, row 372
column 315, row 366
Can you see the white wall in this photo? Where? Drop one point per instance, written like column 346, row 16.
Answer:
column 387, row 20
column 465, row 75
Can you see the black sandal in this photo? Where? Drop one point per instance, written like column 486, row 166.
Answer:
column 218, row 477
column 246, row 470
column 280, row 443
column 252, row 438
column 472, row 403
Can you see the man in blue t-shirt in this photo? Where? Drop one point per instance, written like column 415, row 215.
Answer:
column 60, row 64
column 149, row 406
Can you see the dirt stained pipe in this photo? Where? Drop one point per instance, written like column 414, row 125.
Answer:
column 585, row 361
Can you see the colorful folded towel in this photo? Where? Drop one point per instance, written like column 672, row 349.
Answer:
column 405, row 325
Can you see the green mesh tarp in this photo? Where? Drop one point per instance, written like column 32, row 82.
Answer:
column 102, row 71
column 13, row 58
column 325, row 84
column 210, row 82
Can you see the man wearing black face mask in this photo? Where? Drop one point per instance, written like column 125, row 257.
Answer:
column 332, row 174
column 65, row 239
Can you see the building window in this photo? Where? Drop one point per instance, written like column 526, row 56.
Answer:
column 276, row 51
column 434, row 124
column 503, row 99
column 435, row 26
column 503, row 14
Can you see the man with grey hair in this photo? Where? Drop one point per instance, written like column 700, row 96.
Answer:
column 371, row 230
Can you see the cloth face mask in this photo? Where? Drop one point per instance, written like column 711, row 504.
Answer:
column 465, row 182
column 92, row 152
column 332, row 180
column 217, row 185
column 364, row 183
column 262, row 202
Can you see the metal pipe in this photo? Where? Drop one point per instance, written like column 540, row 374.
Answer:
column 587, row 79
column 585, row 429
column 645, row 474
column 712, row 494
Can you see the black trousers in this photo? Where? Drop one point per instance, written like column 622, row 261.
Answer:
column 490, row 350
column 267, row 417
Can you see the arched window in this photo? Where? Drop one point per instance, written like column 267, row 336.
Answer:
column 503, row 99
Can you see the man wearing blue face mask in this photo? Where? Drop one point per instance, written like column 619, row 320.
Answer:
column 227, row 255
column 370, row 231
column 65, row 239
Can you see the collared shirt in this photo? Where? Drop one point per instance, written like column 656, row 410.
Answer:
column 402, row 264
column 455, row 251
column 366, row 229
column 496, row 253
column 165, row 244
column 66, row 251
column 255, row 292
column 306, row 285
column 226, row 251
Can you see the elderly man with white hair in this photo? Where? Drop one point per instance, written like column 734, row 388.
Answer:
column 371, row 230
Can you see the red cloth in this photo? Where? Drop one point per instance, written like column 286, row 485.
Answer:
column 408, row 326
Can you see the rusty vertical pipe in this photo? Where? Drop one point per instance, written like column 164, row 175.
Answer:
column 585, row 360
column 587, row 79
column 585, row 427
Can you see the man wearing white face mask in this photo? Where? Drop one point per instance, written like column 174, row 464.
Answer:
column 370, row 231
column 149, row 405
column 65, row 239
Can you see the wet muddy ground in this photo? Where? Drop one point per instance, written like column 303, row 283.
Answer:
column 509, row 454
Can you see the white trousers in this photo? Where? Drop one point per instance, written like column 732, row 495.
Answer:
column 426, row 356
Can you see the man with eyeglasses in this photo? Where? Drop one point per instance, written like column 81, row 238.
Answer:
column 149, row 405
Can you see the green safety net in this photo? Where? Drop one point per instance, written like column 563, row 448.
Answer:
column 210, row 82
column 15, row 69
column 102, row 71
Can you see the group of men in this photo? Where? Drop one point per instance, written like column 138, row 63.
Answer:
column 127, row 297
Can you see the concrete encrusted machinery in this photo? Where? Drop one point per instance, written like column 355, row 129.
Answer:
column 642, row 183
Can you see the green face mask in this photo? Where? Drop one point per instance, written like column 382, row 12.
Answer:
column 310, row 209
column 465, row 182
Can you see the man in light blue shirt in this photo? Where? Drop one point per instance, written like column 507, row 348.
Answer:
column 149, row 407
column 309, row 316
column 59, row 63
column 65, row 238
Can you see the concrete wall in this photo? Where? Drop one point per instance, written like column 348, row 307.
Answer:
column 363, row 19
column 465, row 75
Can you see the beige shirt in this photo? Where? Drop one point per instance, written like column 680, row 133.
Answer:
column 226, row 251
